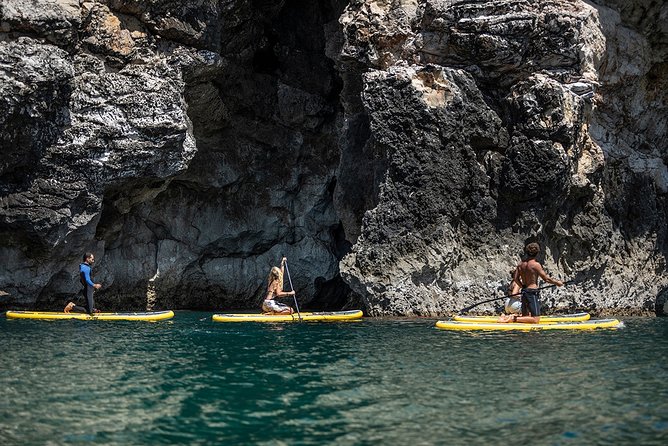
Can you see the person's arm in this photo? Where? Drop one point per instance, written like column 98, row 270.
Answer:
column 281, row 293
column 273, row 292
column 283, row 260
column 541, row 273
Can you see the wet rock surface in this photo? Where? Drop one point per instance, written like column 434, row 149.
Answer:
column 399, row 153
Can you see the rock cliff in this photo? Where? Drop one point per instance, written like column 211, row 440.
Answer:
column 400, row 153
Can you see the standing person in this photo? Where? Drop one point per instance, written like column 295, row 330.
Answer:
column 274, row 290
column 88, row 287
column 527, row 273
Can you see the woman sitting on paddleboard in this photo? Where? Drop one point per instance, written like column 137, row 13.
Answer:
column 513, row 303
column 274, row 290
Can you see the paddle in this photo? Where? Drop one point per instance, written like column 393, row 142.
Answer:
column 465, row 309
column 287, row 270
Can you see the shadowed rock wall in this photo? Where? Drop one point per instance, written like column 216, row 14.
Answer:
column 400, row 153
column 188, row 145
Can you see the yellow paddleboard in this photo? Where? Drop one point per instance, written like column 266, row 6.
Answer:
column 578, row 325
column 315, row 316
column 52, row 315
column 543, row 319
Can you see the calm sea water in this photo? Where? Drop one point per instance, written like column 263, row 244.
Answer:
column 193, row 381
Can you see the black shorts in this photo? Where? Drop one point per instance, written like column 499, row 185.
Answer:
column 530, row 302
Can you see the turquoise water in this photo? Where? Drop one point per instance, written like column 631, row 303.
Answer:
column 193, row 381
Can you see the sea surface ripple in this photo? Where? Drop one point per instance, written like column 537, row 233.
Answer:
column 388, row 381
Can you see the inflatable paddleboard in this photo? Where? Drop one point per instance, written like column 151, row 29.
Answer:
column 543, row 319
column 52, row 315
column 578, row 325
column 315, row 316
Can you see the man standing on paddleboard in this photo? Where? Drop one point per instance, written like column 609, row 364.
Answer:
column 88, row 287
column 527, row 273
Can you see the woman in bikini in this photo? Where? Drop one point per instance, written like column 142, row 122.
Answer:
column 274, row 290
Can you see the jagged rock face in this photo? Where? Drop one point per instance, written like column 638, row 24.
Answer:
column 398, row 152
column 189, row 147
column 497, row 124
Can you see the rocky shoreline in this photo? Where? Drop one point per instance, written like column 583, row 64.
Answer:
column 400, row 153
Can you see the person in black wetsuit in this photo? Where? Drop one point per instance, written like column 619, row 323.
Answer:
column 527, row 273
column 88, row 287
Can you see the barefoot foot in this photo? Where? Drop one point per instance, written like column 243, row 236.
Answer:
column 505, row 318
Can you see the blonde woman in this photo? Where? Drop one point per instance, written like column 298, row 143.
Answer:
column 274, row 290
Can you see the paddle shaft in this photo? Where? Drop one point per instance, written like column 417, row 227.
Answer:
column 287, row 270
column 504, row 297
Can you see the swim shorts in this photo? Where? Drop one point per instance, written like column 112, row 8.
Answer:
column 530, row 302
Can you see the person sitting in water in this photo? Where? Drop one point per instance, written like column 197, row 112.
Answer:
column 88, row 287
column 527, row 273
column 274, row 290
